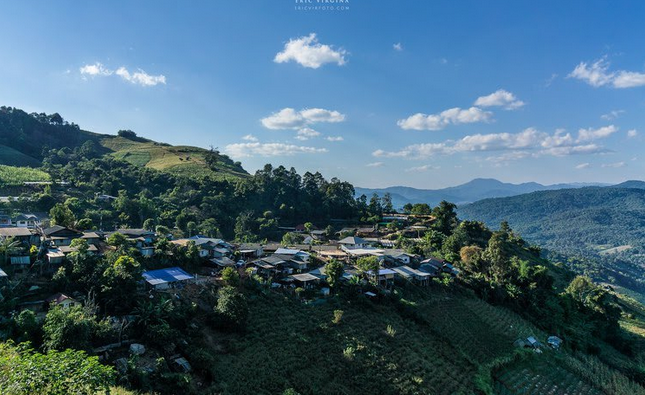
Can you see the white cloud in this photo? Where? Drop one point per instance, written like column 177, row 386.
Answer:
column 139, row 77
column 95, row 69
column 585, row 165
column 314, row 115
column 288, row 118
column 500, row 98
column 612, row 115
column 308, row 52
column 595, row 134
column 249, row 137
column 614, row 165
column 306, row 134
column 398, row 47
column 549, row 81
column 597, row 74
column 528, row 142
column 375, row 164
column 246, row 150
column 439, row 121
column 334, row 138
column 419, row 169
column 629, row 79
column 632, row 133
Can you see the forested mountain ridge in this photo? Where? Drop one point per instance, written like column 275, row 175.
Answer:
column 26, row 138
column 472, row 191
column 604, row 226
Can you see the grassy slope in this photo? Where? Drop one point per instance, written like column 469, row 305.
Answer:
column 15, row 176
column 23, row 137
column 12, row 157
column 443, row 343
column 180, row 160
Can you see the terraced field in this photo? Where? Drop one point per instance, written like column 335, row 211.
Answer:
column 435, row 345
column 179, row 160
column 539, row 375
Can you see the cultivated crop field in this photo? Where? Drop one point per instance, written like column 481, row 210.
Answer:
column 424, row 341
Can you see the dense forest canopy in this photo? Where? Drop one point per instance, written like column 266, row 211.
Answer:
column 600, row 231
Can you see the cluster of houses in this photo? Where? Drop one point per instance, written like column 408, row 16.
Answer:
column 292, row 266
column 284, row 266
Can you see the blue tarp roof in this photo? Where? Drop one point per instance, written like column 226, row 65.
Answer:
column 169, row 275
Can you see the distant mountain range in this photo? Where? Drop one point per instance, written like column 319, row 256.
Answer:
column 477, row 189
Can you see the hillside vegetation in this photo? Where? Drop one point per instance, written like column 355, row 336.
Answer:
column 26, row 138
column 600, row 230
column 15, row 176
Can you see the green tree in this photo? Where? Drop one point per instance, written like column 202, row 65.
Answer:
column 230, row 277
column 232, row 307
column 309, row 227
column 191, row 227
column 61, row 215
column 117, row 239
column 334, row 271
column 497, row 258
column 67, row 328
column 149, row 224
column 27, row 327
column 292, row 238
column 386, row 201
column 9, row 246
column 445, row 217
column 84, row 224
column 119, row 282
column 25, row 371
column 420, row 209
column 369, row 264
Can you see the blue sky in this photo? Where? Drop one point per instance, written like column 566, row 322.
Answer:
column 420, row 93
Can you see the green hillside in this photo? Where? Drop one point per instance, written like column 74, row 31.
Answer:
column 178, row 160
column 26, row 138
column 15, row 176
column 600, row 230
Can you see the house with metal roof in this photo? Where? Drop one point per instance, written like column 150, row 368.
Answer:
column 413, row 275
column 353, row 242
column 385, row 277
column 166, row 278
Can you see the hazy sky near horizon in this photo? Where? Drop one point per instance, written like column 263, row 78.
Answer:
column 418, row 93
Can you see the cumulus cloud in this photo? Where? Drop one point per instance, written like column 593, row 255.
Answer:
column 289, row 118
column 398, row 47
column 500, row 98
column 139, row 77
column 334, row 138
column 95, row 69
column 246, row 150
column 306, row 134
column 249, row 137
column 595, row 134
column 375, row 164
column 585, row 165
column 632, row 133
column 527, row 142
column 308, row 52
column 439, row 121
column 597, row 74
